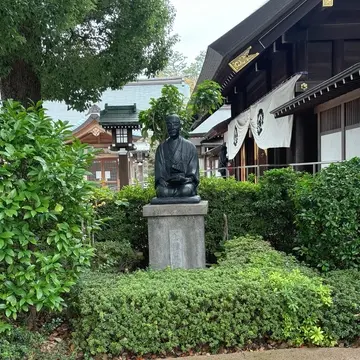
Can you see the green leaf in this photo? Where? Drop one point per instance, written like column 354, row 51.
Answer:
column 9, row 259
column 39, row 293
column 6, row 235
column 59, row 208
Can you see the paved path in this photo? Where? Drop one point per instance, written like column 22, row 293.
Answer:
column 289, row 354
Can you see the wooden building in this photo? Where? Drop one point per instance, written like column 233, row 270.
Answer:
column 319, row 39
column 112, row 168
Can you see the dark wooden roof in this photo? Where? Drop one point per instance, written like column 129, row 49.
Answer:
column 260, row 23
column 332, row 88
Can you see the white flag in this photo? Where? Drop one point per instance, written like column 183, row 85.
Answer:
column 270, row 132
column 237, row 130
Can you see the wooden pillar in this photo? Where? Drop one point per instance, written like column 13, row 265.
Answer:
column 299, row 140
column 123, row 168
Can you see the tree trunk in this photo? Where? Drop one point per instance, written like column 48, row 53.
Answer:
column 22, row 84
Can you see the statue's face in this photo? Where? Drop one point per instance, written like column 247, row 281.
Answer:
column 173, row 127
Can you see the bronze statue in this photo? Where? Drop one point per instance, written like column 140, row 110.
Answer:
column 176, row 167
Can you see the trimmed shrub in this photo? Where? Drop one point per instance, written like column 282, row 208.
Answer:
column 343, row 317
column 226, row 306
column 114, row 256
column 126, row 221
column 253, row 251
column 275, row 208
column 226, row 197
column 234, row 199
column 328, row 217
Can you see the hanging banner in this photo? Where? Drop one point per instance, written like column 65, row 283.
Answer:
column 237, row 130
column 269, row 132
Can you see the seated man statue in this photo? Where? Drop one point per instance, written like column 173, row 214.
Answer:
column 176, row 165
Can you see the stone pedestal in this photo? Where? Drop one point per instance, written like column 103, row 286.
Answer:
column 176, row 235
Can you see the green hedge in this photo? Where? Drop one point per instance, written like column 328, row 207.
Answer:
column 328, row 217
column 343, row 318
column 232, row 198
column 126, row 222
column 228, row 197
column 275, row 208
column 115, row 256
column 226, row 306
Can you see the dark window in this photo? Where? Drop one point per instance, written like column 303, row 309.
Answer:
column 320, row 60
column 95, row 170
column 121, row 136
column 110, row 169
column 352, row 113
column 330, row 119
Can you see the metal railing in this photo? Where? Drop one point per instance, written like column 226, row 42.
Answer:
column 258, row 170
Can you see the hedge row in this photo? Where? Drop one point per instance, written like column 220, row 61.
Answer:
column 265, row 296
column 318, row 216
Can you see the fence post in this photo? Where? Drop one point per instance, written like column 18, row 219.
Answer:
column 314, row 169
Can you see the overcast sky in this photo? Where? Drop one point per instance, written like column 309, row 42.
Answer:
column 201, row 22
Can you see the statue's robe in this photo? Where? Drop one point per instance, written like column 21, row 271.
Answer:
column 181, row 159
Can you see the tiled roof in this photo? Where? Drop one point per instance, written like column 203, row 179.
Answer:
column 139, row 93
column 119, row 115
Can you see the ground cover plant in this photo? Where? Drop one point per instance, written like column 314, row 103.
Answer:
column 272, row 298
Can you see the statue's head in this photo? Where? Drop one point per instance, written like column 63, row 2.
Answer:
column 173, row 125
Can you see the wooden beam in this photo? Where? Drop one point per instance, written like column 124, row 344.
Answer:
column 317, row 16
column 334, row 32
column 273, row 34
column 325, row 32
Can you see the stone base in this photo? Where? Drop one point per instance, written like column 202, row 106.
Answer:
column 176, row 235
column 175, row 200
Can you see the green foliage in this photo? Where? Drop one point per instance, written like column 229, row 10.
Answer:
column 153, row 119
column 328, row 209
column 45, row 210
column 226, row 306
column 114, row 256
column 175, row 66
column 20, row 344
column 233, row 199
column 252, row 250
column 79, row 48
column 126, row 222
column 206, row 99
column 276, row 209
column 343, row 318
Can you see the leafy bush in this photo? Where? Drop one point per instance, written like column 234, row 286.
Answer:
column 328, row 217
column 231, row 198
column 254, row 251
column 114, row 256
column 228, row 197
column 276, row 209
column 343, row 318
column 45, row 210
column 20, row 344
column 126, row 222
column 226, row 306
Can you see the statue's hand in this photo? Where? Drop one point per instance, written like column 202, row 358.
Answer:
column 163, row 183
